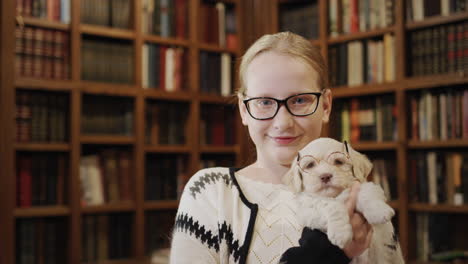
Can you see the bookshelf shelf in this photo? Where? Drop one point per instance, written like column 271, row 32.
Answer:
column 364, row 90
column 61, row 147
column 375, row 146
column 167, row 149
column 360, row 35
column 160, row 205
column 124, row 206
column 107, row 140
column 53, row 85
column 166, row 41
column 42, row 23
column 98, row 88
column 316, row 42
column 107, row 32
column 437, row 20
column 453, row 143
column 435, row 81
column 216, row 99
column 41, row 211
column 439, row 208
column 216, row 48
column 182, row 96
column 125, row 261
column 220, row 149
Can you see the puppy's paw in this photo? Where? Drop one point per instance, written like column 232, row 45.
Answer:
column 340, row 235
column 378, row 212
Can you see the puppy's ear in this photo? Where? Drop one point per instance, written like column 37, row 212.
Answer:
column 293, row 178
column 362, row 166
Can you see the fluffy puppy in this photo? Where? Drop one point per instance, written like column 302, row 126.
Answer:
column 322, row 175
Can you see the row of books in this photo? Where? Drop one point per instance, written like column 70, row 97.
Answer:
column 55, row 10
column 159, row 225
column 42, row 53
column 165, row 18
column 438, row 177
column 164, row 67
column 106, row 177
column 41, row 241
column 218, row 25
column 438, row 238
column 301, row 19
column 106, row 60
column 359, row 62
column 417, row 10
column 41, row 179
column 165, row 177
column 41, row 117
column 107, row 115
column 109, row 13
column 166, row 123
column 366, row 119
column 217, row 125
column 360, row 15
column 438, row 50
column 439, row 115
column 106, row 237
column 216, row 71
column 383, row 174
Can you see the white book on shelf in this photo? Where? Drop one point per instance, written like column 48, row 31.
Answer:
column 221, row 10
column 389, row 47
column 144, row 66
column 444, row 7
column 94, row 179
column 418, row 10
column 333, row 17
column 380, row 62
column 226, row 74
column 432, row 176
column 169, row 70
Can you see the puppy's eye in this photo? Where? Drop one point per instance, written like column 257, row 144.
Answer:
column 339, row 162
column 309, row 165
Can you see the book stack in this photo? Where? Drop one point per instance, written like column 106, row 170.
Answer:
column 165, row 177
column 42, row 53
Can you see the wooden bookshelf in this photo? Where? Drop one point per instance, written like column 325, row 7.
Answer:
column 402, row 88
column 77, row 89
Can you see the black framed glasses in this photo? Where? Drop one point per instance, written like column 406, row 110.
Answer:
column 263, row 108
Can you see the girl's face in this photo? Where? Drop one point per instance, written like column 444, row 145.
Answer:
column 278, row 140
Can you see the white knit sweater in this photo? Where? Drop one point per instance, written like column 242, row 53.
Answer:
column 224, row 217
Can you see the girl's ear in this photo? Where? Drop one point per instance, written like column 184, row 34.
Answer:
column 362, row 166
column 243, row 111
column 293, row 178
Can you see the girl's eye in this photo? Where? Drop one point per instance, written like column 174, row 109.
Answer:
column 264, row 102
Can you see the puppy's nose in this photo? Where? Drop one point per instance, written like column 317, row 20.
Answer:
column 326, row 177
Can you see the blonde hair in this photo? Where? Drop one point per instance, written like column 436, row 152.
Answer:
column 289, row 44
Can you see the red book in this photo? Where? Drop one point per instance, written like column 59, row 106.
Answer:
column 354, row 118
column 24, row 193
column 181, row 18
column 354, row 16
column 218, row 131
column 414, row 119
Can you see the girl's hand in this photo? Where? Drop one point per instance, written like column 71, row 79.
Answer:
column 362, row 230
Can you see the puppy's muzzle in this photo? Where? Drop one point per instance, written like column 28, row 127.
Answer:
column 326, row 177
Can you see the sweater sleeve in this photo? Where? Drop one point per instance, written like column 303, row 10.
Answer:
column 195, row 233
column 314, row 247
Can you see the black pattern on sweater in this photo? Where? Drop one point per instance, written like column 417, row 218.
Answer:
column 208, row 178
column 186, row 224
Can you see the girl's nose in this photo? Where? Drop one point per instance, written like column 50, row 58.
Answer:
column 283, row 120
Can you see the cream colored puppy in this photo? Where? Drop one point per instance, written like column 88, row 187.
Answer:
column 322, row 175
